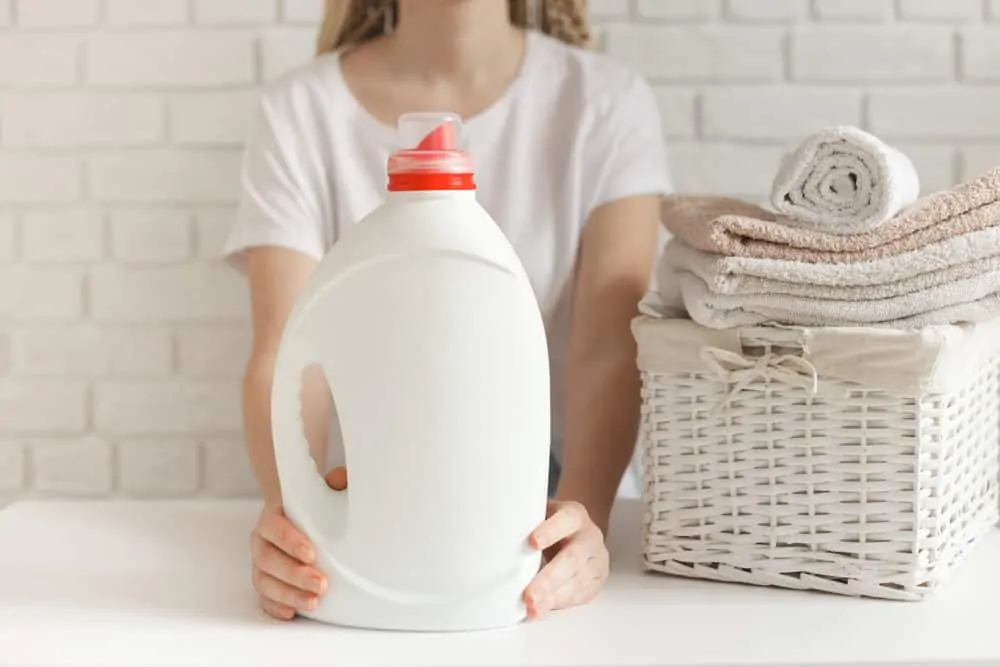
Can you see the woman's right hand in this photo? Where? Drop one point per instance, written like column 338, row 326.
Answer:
column 283, row 573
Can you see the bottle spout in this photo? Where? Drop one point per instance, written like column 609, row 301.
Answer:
column 429, row 132
column 441, row 138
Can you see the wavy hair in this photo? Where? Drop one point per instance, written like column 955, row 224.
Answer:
column 351, row 22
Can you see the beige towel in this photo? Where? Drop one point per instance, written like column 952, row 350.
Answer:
column 953, row 259
column 731, row 227
column 843, row 180
column 969, row 300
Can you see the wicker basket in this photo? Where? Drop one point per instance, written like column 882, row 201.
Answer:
column 861, row 462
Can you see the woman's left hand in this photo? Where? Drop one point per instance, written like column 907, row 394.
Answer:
column 575, row 560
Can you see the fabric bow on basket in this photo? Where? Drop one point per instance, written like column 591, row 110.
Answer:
column 740, row 372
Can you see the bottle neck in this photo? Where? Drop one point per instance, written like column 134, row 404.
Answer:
column 417, row 195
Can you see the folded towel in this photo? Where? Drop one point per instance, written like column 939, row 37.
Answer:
column 731, row 227
column 843, row 180
column 957, row 258
column 969, row 300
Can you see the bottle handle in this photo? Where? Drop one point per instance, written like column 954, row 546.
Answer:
column 308, row 501
column 316, row 509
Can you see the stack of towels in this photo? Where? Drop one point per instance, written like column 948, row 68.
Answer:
column 849, row 242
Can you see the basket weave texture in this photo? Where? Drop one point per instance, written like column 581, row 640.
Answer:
column 779, row 457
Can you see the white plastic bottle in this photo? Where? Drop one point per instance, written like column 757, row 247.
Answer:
column 432, row 343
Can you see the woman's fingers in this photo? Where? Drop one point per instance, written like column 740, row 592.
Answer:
column 586, row 583
column 542, row 591
column 282, row 574
column 579, row 567
column 276, row 610
column 279, row 531
column 280, row 593
column 274, row 562
column 336, row 479
column 581, row 588
column 566, row 520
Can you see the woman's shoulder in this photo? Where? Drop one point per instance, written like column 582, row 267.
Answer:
column 309, row 85
column 594, row 78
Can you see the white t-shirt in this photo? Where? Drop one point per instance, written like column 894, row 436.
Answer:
column 574, row 130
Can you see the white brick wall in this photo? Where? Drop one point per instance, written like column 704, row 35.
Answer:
column 122, row 336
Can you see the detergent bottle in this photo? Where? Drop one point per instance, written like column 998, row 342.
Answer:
column 432, row 343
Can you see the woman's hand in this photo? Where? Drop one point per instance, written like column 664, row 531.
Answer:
column 283, row 572
column 575, row 556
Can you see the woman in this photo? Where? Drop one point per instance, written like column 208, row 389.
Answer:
column 570, row 163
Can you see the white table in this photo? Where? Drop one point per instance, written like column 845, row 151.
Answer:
column 130, row 583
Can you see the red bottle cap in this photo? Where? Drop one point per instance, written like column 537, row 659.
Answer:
column 430, row 156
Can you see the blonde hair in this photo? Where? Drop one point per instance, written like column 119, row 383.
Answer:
column 351, row 22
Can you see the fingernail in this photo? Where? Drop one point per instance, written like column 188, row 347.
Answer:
column 318, row 585
column 305, row 553
column 311, row 603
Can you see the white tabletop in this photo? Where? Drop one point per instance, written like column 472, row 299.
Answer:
column 130, row 583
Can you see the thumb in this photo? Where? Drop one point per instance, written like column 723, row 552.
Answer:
column 336, row 479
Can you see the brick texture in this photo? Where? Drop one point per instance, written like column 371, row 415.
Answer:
column 146, row 12
column 42, row 406
column 89, row 351
column 59, row 120
column 8, row 238
column 123, row 335
column 165, row 407
column 38, row 60
column 58, row 13
column 72, row 467
column 28, row 178
column 854, row 10
column 159, row 468
column 13, row 466
column 227, row 472
column 235, row 12
column 309, row 11
column 767, row 10
column 933, row 10
column 211, row 118
column 62, row 235
column 151, row 235
column 165, row 176
column 185, row 58
column 835, row 54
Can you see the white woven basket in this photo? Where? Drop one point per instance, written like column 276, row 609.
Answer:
column 854, row 461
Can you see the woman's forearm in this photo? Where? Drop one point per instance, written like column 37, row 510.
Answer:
column 603, row 385
column 602, row 413
column 257, row 384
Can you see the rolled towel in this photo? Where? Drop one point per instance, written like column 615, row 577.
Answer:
column 843, row 180
column 956, row 258
column 739, row 229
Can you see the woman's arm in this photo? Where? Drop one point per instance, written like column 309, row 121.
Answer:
column 276, row 276
column 617, row 252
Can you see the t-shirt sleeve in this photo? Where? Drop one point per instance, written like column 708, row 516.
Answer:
column 279, row 194
column 627, row 149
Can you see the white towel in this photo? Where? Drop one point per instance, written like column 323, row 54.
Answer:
column 955, row 258
column 843, row 180
column 970, row 300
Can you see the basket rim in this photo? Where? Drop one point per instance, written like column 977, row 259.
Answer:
column 937, row 359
